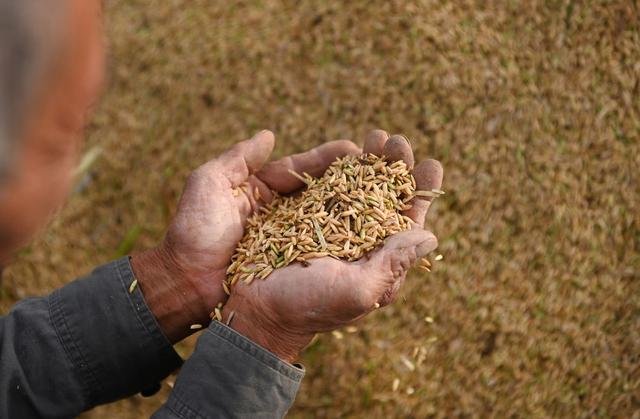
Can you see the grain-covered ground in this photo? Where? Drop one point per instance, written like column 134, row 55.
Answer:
column 533, row 109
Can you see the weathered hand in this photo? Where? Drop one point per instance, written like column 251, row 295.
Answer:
column 284, row 311
column 182, row 278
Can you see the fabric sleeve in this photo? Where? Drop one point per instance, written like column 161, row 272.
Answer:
column 88, row 343
column 229, row 376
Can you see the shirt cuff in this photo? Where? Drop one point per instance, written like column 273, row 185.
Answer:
column 110, row 335
column 228, row 375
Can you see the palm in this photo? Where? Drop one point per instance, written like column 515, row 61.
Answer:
column 182, row 278
column 219, row 197
column 209, row 223
column 295, row 302
column 331, row 293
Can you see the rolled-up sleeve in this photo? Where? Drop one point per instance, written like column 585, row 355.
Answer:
column 229, row 376
column 90, row 342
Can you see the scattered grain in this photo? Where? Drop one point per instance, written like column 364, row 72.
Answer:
column 407, row 363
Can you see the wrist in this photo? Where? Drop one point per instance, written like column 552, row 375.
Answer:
column 173, row 297
column 257, row 328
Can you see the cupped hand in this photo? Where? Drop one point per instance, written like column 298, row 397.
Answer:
column 182, row 278
column 284, row 311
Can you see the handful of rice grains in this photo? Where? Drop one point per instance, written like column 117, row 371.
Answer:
column 349, row 211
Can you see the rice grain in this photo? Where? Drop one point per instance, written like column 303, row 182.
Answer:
column 345, row 214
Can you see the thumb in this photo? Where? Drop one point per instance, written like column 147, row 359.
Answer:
column 243, row 159
column 415, row 243
column 394, row 259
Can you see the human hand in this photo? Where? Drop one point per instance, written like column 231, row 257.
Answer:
column 283, row 312
column 182, row 278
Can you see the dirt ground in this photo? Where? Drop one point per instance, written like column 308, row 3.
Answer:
column 533, row 109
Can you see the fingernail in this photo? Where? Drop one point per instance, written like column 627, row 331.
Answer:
column 256, row 135
column 405, row 138
column 395, row 150
column 427, row 246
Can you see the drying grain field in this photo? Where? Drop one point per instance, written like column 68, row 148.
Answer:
column 533, row 107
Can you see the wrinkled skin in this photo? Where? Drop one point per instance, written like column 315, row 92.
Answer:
column 213, row 210
column 284, row 311
column 182, row 278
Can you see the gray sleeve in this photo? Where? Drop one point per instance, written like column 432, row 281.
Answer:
column 228, row 376
column 88, row 343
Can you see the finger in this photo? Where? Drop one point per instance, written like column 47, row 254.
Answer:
column 413, row 244
column 400, row 251
column 391, row 262
column 374, row 142
column 428, row 175
column 252, row 195
column 243, row 159
column 314, row 162
column 260, row 191
column 398, row 148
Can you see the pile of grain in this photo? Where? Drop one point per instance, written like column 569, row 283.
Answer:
column 346, row 213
